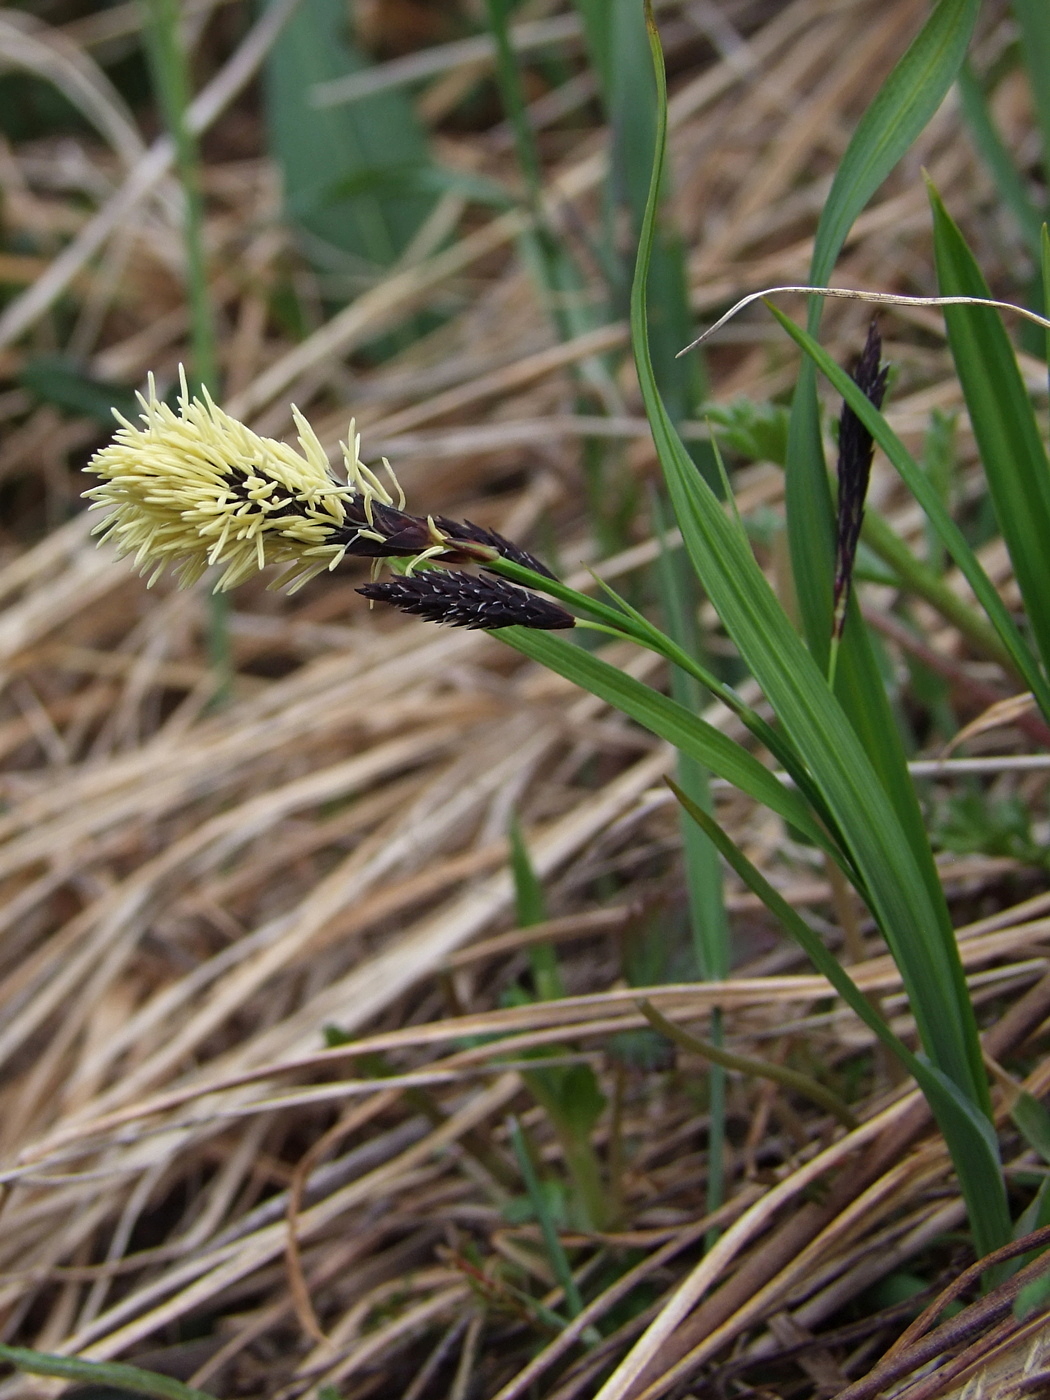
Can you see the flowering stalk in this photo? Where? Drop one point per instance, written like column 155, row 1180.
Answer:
column 197, row 488
column 856, row 449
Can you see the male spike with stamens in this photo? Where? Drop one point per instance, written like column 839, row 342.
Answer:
column 197, row 488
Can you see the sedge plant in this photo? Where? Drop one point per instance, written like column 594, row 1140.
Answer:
column 195, row 488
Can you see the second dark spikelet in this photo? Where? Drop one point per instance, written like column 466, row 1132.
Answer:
column 459, row 599
column 466, row 533
column 856, row 449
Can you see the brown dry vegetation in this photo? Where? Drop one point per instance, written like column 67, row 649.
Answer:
column 191, row 893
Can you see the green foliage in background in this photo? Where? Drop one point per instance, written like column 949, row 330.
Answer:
column 323, row 151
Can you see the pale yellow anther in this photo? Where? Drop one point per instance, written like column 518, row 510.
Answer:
column 196, row 488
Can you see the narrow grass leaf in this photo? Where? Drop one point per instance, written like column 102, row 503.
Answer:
column 897, row 890
column 1032, row 1121
column 790, row 1079
column 412, row 177
column 1003, row 421
column 57, row 380
column 625, row 621
column 914, row 575
column 531, row 908
column 101, row 1373
column 1031, row 17
column 668, row 720
column 1032, row 1297
column 556, row 1255
column 703, row 873
column 996, row 155
column 898, row 894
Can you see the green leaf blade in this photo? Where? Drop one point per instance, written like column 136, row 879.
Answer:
column 668, row 720
column 1003, row 421
column 967, row 1130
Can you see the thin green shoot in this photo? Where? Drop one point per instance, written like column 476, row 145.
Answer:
column 101, row 1373
column 995, row 154
column 556, row 1256
column 569, row 1094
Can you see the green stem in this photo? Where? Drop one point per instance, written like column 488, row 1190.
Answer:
column 556, row 1255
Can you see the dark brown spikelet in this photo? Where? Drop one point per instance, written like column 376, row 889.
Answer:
column 404, row 536
column 856, row 449
column 466, row 532
column 459, row 599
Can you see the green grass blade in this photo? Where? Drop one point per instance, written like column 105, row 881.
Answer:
column 790, row 1079
column 703, row 873
column 101, row 1373
column 897, row 890
column 556, row 1256
column 860, row 690
column 550, row 259
column 514, row 99
column 627, row 622
column 921, row 487
column 172, row 83
column 529, row 900
column 967, row 1131
column 919, row 578
column 668, row 720
column 171, row 80
column 595, row 18
column 904, row 104
column 1003, row 421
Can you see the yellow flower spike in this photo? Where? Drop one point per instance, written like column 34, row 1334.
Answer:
column 198, row 488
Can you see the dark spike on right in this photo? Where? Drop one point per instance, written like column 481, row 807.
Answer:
column 856, row 449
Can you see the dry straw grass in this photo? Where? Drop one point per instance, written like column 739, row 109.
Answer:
column 190, row 894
